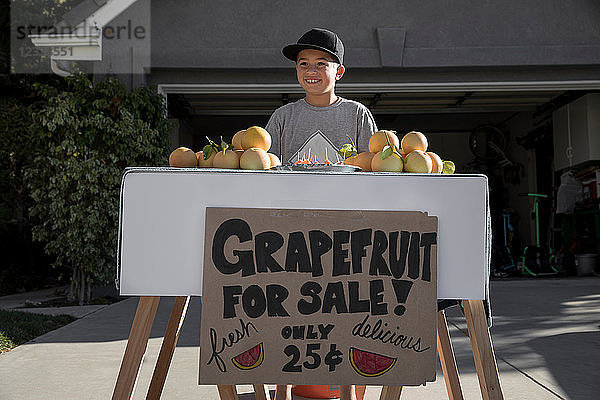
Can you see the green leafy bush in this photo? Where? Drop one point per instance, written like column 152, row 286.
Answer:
column 86, row 135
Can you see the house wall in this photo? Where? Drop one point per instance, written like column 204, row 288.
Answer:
column 126, row 45
column 378, row 33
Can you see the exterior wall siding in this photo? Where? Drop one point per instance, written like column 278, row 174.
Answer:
column 382, row 33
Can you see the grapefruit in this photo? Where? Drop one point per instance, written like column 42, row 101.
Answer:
column 274, row 160
column 363, row 160
column 413, row 141
column 370, row 364
column 380, row 139
column 229, row 160
column 448, row 167
column 250, row 358
column 202, row 163
column 255, row 136
column 182, row 157
column 418, row 161
column 437, row 163
column 350, row 160
column 255, row 158
column 236, row 141
column 392, row 163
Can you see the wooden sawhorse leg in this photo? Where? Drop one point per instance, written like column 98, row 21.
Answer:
column 168, row 347
column 483, row 353
column 360, row 392
column 446, row 355
column 261, row 392
column 390, row 393
column 136, row 347
column 449, row 369
column 227, row 392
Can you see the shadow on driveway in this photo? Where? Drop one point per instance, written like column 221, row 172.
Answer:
column 576, row 372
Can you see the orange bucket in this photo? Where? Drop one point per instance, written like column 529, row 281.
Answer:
column 317, row 391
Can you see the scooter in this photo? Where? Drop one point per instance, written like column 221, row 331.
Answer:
column 505, row 264
column 536, row 260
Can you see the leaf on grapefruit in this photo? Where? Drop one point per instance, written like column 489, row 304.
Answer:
column 370, row 364
column 249, row 359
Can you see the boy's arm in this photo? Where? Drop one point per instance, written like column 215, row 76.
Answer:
column 275, row 128
column 366, row 128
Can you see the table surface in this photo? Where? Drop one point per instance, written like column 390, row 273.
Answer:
column 162, row 211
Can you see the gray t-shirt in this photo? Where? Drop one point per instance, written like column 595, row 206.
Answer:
column 293, row 124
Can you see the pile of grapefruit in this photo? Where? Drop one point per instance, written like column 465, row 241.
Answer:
column 248, row 150
column 387, row 153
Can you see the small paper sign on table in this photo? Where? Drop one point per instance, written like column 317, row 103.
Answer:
column 319, row 297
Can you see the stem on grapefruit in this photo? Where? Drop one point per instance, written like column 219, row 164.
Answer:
column 353, row 144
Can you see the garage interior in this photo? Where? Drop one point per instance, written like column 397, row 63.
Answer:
column 505, row 134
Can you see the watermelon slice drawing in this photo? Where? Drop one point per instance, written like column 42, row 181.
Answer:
column 370, row 364
column 250, row 358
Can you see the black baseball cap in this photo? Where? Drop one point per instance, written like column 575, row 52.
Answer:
column 317, row 39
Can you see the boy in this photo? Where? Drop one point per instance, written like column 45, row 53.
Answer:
column 322, row 118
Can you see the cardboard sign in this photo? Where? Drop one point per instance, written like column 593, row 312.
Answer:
column 318, row 297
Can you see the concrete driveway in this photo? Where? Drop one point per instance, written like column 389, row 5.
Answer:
column 546, row 336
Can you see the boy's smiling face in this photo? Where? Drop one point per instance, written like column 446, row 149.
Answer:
column 317, row 71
